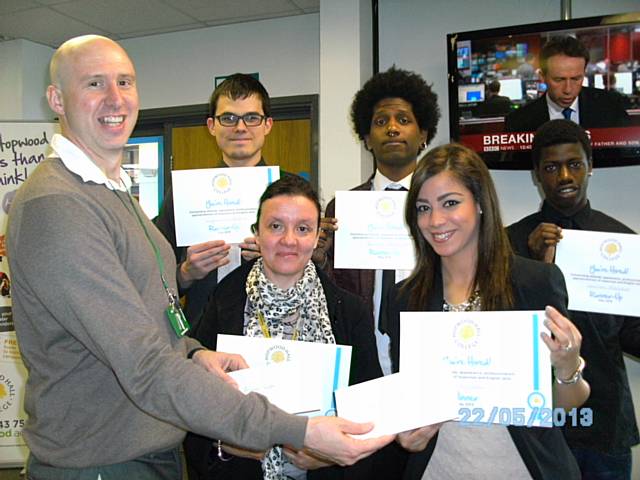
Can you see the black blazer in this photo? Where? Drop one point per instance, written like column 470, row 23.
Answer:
column 598, row 109
column 535, row 285
column 351, row 324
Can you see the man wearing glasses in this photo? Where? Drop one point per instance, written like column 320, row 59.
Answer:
column 240, row 119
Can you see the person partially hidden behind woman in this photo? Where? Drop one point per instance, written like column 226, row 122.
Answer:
column 465, row 263
column 283, row 295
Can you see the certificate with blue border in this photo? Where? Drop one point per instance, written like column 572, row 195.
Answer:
column 218, row 203
column 497, row 360
column 312, row 371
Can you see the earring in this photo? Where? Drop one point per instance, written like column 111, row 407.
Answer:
column 591, row 174
column 423, row 145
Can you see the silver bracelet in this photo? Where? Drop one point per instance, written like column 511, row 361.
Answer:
column 221, row 453
column 573, row 379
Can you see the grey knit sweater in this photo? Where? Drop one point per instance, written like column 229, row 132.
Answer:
column 108, row 377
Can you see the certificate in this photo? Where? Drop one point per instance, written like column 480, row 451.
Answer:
column 316, row 370
column 602, row 271
column 498, row 362
column 371, row 232
column 286, row 385
column 399, row 402
column 218, row 203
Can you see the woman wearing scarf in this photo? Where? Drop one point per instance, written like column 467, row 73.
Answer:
column 283, row 295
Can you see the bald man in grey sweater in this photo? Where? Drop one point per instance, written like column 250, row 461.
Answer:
column 112, row 385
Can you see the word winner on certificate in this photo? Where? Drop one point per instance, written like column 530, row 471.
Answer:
column 218, row 203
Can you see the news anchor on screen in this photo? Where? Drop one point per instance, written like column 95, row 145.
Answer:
column 562, row 67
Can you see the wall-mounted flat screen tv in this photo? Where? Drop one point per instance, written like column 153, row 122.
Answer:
column 498, row 95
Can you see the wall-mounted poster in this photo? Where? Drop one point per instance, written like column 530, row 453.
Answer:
column 23, row 145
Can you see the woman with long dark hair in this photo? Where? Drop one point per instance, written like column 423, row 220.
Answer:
column 465, row 263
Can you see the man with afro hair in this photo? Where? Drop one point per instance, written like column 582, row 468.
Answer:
column 396, row 115
column 562, row 166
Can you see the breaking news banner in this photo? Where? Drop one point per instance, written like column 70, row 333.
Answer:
column 623, row 137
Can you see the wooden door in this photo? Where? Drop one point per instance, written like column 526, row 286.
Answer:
column 287, row 145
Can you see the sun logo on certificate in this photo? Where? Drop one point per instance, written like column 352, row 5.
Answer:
column 277, row 354
column 385, row 206
column 610, row 249
column 536, row 400
column 222, row 183
column 466, row 333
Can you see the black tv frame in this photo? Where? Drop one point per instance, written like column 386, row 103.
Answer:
column 520, row 160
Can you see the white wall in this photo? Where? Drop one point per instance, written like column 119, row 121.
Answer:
column 23, row 79
column 345, row 64
column 179, row 68
column 35, row 78
column 413, row 36
column 10, row 80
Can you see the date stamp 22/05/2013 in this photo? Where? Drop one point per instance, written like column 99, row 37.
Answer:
column 521, row 417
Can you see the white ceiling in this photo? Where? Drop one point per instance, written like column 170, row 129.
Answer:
column 51, row 22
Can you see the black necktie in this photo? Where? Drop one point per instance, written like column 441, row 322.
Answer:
column 388, row 281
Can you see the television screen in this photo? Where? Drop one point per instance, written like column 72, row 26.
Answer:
column 471, row 93
column 510, row 56
column 511, row 87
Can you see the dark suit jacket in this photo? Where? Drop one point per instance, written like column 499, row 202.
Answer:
column 605, row 338
column 598, row 109
column 225, row 314
column 535, row 285
column 493, row 107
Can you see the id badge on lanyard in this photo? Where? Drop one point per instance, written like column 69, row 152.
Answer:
column 175, row 314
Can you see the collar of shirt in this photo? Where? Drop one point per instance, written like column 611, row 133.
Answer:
column 221, row 164
column 555, row 110
column 79, row 163
column 380, row 182
column 579, row 219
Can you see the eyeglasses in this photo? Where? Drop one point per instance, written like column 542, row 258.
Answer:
column 249, row 119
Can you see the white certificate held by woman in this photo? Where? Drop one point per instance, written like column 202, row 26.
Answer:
column 218, row 203
column 497, row 360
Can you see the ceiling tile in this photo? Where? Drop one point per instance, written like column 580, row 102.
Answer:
column 8, row 6
column 155, row 31
column 51, row 2
column 307, row 5
column 250, row 9
column 133, row 15
column 52, row 21
column 44, row 26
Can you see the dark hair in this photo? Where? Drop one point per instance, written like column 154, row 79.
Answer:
column 396, row 83
column 494, row 250
column 556, row 132
column 240, row 85
column 494, row 86
column 291, row 186
column 569, row 46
